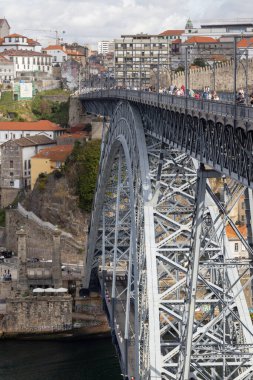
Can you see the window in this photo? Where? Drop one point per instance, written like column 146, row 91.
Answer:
column 6, row 136
column 11, row 183
column 11, row 163
column 11, row 174
column 236, row 247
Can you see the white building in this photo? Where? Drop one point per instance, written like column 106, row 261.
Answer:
column 105, row 47
column 28, row 61
column 6, row 70
column 11, row 130
column 58, row 54
column 19, row 42
column 217, row 29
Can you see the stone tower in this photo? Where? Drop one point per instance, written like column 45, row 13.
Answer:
column 56, row 259
column 22, row 282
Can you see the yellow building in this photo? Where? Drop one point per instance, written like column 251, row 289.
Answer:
column 49, row 159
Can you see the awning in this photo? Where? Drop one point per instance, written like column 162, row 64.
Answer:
column 38, row 290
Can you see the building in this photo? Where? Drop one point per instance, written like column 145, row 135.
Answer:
column 238, row 250
column 57, row 53
column 172, row 34
column 16, row 165
column 71, row 138
column 47, row 160
column 105, row 47
column 61, row 54
column 245, row 47
column 6, row 70
column 4, row 27
column 75, row 47
column 11, row 130
column 140, row 57
column 19, row 42
column 27, row 61
column 217, row 29
column 209, row 48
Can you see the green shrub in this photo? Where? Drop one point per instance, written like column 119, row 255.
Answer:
column 42, row 181
column 2, row 217
column 85, row 158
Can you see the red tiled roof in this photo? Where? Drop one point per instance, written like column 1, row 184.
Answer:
column 5, row 61
column 76, row 135
column 246, row 42
column 231, row 233
column 23, row 53
column 54, row 47
column 32, row 42
column 74, row 53
column 41, row 125
column 172, row 32
column 15, row 35
column 55, row 153
column 200, row 39
column 177, row 41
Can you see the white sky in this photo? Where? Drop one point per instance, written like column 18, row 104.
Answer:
column 88, row 21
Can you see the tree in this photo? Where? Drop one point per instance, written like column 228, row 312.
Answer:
column 85, row 159
column 199, row 62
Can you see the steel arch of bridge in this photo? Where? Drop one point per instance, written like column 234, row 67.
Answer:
column 174, row 294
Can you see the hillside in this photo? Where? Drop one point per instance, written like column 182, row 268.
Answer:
column 64, row 197
column 52, row 105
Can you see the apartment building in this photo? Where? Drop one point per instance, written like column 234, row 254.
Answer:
column 27, row 61
column 105, row 47
column 140, row 57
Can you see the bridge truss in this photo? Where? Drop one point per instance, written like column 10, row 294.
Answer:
column 174, row 293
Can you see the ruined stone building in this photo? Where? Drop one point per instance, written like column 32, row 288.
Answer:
column 16, row 165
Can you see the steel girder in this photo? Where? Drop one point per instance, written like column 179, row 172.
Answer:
column 179, row 309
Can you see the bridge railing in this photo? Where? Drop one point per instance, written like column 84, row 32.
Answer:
column 214, row 107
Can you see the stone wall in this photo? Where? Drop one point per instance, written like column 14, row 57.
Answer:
column 76, row 112
column 7, row 196
column 224, row 73
column 37, row 314
column 47, row 84
column 39, row 239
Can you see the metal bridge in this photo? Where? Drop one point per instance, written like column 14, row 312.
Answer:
column 177, row 299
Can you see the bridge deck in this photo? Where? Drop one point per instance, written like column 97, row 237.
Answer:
column 210, row 107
